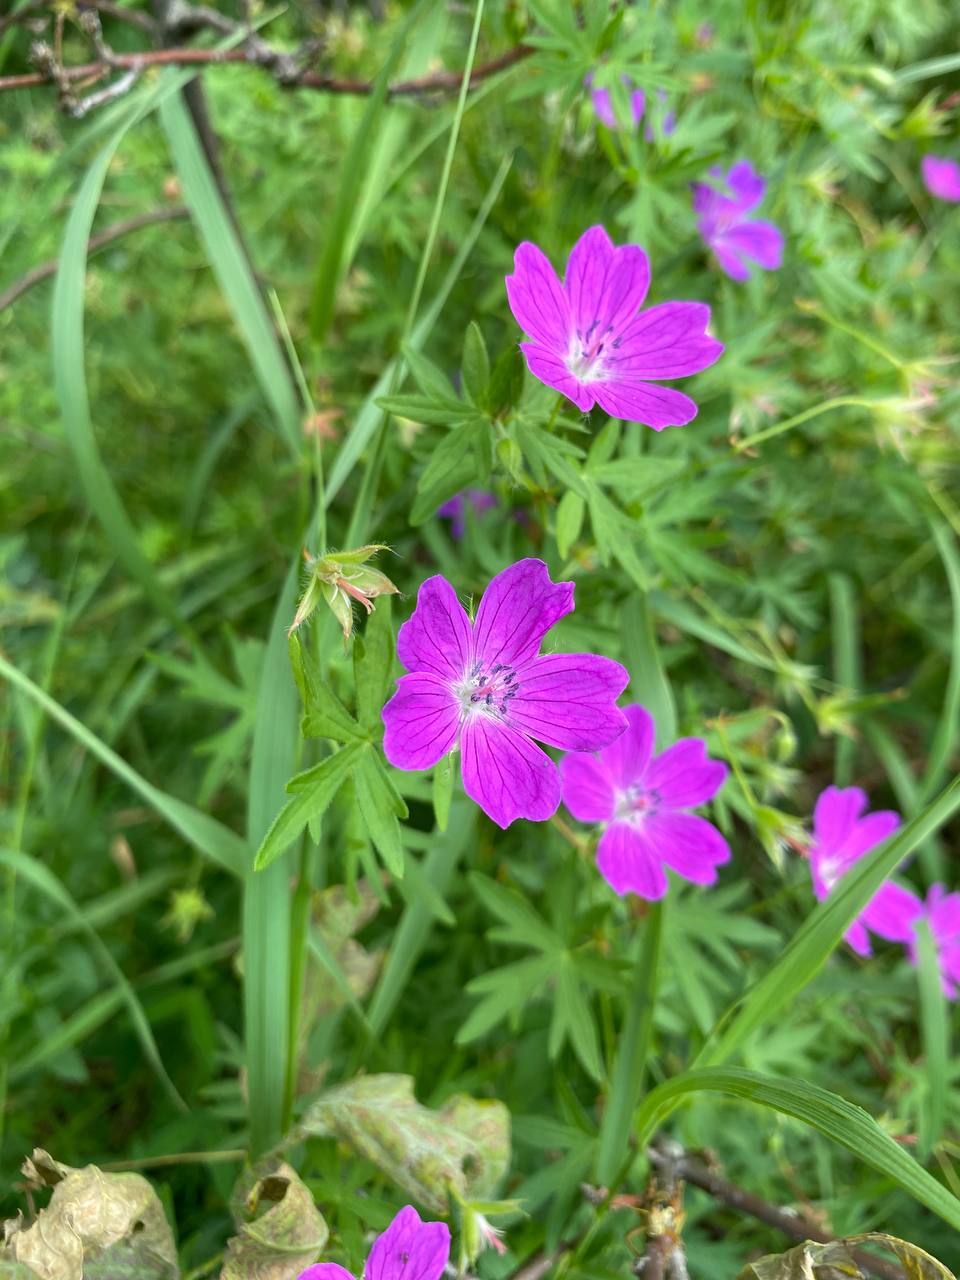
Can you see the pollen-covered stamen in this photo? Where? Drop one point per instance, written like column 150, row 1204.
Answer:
column 636, row 803
column 489, row 689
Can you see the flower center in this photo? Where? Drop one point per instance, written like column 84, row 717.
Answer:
column 634, row 804
column 488, row 690
column 585, row 360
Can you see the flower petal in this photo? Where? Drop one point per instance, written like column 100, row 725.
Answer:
column 858, row 939
column 759, row 242
column 892, row 912
column 834, row 815
column 683, row 776
column 325, row 1271
column 656, row 407
column 409, row 1249
column 421, row 722
column 437, row 637
column 730, row 262
column 568, row 700
column 628, row 864
column 691, row 846
column 626, row 759
column 745, row 186
column 506, row 774
column 941, row 177
column 666, row 341
column 538, row 303
column 605, row 284
column 587, row 788
column 518, row 608
column 551, row 370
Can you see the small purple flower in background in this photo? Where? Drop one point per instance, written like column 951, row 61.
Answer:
column 842, row 834
column 590, row 344
column 736, row 239
column 942, row 913
column 485, row 685
column 455, row 508
column 603, row 106
column 409, row 1249
column 642, row 798
column 941, row 177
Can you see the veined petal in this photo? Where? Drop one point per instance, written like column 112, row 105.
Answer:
column 506, row 774
column 653, row 406
column 569, row 700
column 550, row 369
column 518, row 608
column 683, row 776
column 605, row 284
column 868, row 832
column 437, row 636
column 409, row 1249
column 691, row 846
column 892, row 913
column 666, row 341
column 626, row 759
column 538, row 303
column 628, row 864
column 587, row 788
column 421, row 721
column 325, row 1271
column 834, row 814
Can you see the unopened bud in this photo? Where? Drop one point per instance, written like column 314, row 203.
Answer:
column 340, row 578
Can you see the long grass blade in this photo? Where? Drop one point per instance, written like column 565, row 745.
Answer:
column 44, row 881
column 206, row 834
column 947, row 732
column 834, row 1117
column 845, row 623
column 822, row 930
column 935, row 1028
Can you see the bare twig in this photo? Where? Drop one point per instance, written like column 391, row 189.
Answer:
column 99, row 241
column 793, row 1225
column 438, row 83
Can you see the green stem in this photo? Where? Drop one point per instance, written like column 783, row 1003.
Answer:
column 838, row 402
column 632, row 1051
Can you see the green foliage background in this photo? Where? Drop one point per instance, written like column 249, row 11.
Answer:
column 790, row 559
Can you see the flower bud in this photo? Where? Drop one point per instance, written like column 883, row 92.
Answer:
column 340, row 578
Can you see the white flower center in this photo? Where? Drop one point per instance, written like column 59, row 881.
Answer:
column 487, row 691
column 586, row 357
column 634, row 804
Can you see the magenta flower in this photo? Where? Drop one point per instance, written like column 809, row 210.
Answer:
column 736, row 239
column 941, row 177
column 603, row 106
column 455, row 508
column 408, row 1250
column 942, row 912
column 589, row 342
column 486, row 686
column 840, row 838
column 641, row 798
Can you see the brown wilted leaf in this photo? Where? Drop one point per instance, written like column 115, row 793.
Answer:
column 280, row 1229
column 837, row 1261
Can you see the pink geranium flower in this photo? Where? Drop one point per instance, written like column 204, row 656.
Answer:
column 942, row 912
column 641, row 799
column 408, row 1250
column 455, row 508
column 841, row 837
column 603, row 105
column 941, row 177
column 485, row 686
column 589, row 342
column 722, row 209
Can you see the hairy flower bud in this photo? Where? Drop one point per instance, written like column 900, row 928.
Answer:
column 340, row 578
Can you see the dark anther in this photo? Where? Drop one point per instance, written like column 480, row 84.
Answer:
column 489, row 699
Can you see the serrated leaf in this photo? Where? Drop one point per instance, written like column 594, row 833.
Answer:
column 380, row 804
column 463, row 1147
column 523, row 925
column 460, row 460
column 434, row 413
column 476, row 364
column 431, row 380
column 96, row 1225
column 324, row 715
column 280, row 1229
column 312, row 792
column 573, row 1021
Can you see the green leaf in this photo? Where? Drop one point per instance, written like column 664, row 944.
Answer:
column 432, row 412
column 834, row 1117
column 572, row 1020
column 648, row 681
column 443, row 778
column 570, row 512
column 431, row 380
column 821, row 932
column 935, row 1027
column 947, row 732
column 523, row 925
column 505, row 991
column 312, row 793
column 232, row 269
column 280, row 1229
column 459, row 460
column 476, row 364
column 464, row 1147
column 373, row 666
column 380, row 804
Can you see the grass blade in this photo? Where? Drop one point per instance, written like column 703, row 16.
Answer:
column 232, row 270
column 935, row 1028
column 822, row 930
column 845, row 623
column 947, row 731
column 45, row 882
column 206, row 834
column 648, row 681
column 834, row 1117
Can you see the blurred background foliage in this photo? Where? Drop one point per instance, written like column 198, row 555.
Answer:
column 804, row 588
